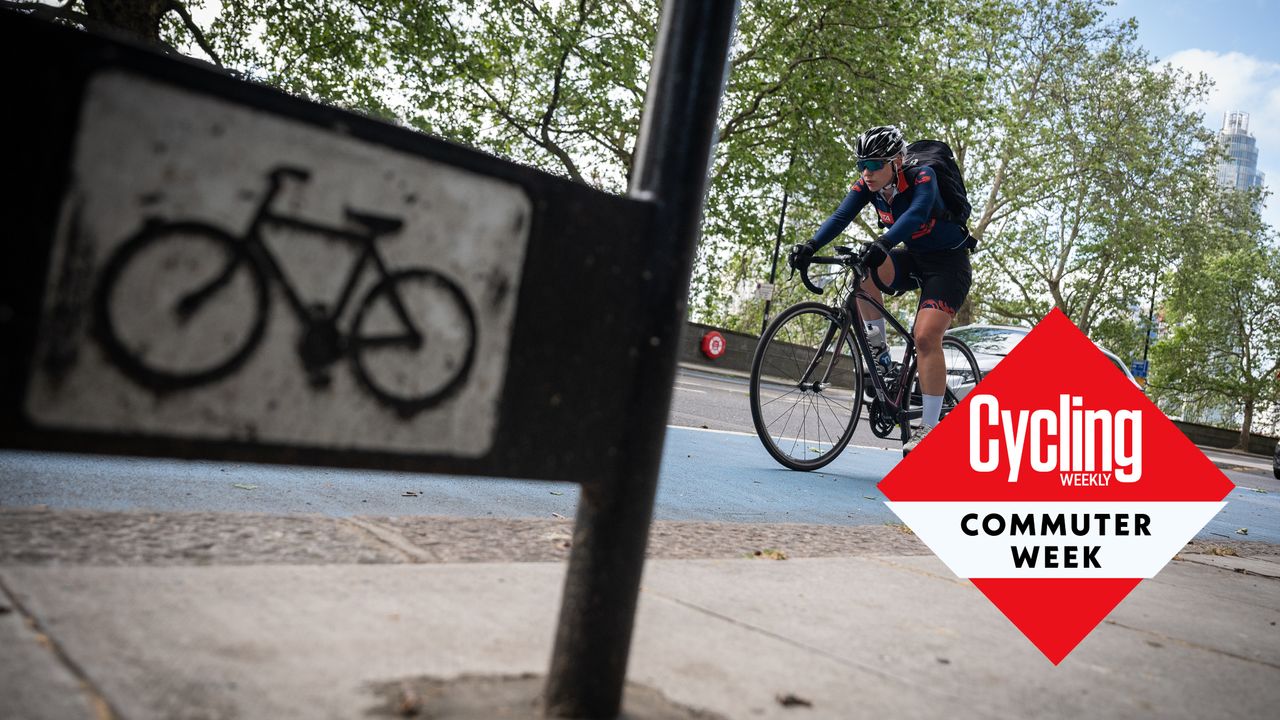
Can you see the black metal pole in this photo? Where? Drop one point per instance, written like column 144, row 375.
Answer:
column 1151, row 322
column 673, row 154
column 777, row 244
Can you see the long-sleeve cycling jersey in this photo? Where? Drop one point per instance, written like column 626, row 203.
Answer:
column 913, row 218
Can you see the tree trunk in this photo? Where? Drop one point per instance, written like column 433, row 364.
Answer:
column 964, row 316
column 1246, row 426
column 140, row 18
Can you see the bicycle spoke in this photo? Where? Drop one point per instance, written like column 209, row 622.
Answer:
column 822, row 427
column 790, row 392
column 784, row 373
column 789, row 414
column 834, row 412
column 822, row 434
column 828, row 399
column 803, row 414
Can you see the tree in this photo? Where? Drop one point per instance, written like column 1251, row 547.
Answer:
column 1090, row 167
column 803, row 86
column 1080, row 157
column 147, row 20
column 561, row 85
column 1222, row 348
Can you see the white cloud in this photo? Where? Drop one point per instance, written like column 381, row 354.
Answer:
column 1246, row 84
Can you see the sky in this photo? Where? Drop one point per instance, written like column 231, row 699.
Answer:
column 1235, row 43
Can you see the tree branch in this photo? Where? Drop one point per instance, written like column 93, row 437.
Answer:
column 190, row 24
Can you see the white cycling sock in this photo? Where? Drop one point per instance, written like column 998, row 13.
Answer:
column 932, row 409
column 875, row 329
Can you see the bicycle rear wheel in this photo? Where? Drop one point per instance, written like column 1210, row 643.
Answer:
column 180, row 305
column 962, row 375
column 806, row 393
column 414, row 340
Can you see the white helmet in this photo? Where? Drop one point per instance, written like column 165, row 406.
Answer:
column 884, row 141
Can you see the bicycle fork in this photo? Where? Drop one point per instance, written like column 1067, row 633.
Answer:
column 825, row 381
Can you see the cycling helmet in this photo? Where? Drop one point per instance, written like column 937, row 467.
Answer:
column 884, row 141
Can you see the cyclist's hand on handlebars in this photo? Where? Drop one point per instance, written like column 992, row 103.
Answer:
column 876, row 255
column 799, row 256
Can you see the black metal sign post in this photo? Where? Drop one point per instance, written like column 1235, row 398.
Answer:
column 673, row 155
column 195, row 266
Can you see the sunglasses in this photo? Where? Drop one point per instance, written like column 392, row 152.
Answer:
column 872, row 164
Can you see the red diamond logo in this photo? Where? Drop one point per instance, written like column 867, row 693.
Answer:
column 1056, row 487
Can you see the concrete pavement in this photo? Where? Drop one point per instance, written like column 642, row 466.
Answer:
column 308, row 616
column 170, row 613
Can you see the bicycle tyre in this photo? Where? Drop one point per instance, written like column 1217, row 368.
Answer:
column 453, row 364
column 780, row 360
column 128, row 356
column 963, row 374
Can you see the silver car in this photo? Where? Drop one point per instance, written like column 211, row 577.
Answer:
column 990, row 343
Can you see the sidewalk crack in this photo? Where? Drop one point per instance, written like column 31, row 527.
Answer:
column 1195, row 645
column 1227, row 568
column 102, row 708
column 394, row 540
column 986, row 712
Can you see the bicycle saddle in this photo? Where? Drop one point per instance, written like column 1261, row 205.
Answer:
column 377, row 224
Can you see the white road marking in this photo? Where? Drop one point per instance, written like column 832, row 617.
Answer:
column 747, row 434
column 717, row 388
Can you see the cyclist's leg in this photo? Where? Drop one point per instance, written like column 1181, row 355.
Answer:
column 943, row 290
column 931, row 323
column 887, row 272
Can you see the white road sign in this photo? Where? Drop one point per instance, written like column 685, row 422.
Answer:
column 223, row 273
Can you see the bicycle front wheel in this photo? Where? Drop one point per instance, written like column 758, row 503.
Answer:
column 806, row 387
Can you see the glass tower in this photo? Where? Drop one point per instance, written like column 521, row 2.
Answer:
column 1240, row 169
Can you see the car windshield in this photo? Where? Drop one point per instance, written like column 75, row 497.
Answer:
column 992, row 341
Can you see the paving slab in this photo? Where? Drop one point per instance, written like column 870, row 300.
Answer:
column 35, row 684
column 287, row 641
column 910, row 619
column 836, row 637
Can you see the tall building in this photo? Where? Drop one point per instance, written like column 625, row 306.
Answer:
column 1240, row 169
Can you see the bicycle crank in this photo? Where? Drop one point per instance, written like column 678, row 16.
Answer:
column 882, row 423
column 322, row 345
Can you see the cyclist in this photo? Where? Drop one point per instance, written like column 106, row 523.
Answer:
column 923, row 250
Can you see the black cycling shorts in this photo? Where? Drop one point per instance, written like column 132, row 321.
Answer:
column 942, row 276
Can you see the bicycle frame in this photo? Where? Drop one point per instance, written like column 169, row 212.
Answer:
column 264, row 216
column 853, row 320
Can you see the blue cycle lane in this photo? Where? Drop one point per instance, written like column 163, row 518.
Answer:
column 706, row 475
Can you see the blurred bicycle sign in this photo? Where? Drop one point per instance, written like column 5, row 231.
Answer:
column 201, row 222
column 215, row 269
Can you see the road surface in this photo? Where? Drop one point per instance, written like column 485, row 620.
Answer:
column 713, row 469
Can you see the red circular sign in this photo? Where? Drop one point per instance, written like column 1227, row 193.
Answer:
column 713, row 345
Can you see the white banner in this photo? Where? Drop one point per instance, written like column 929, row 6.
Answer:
column 1055, row 539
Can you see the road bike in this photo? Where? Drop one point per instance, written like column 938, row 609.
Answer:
column 182, row 304
column 808, row 381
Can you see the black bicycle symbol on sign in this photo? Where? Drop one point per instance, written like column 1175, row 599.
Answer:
column 197, row 300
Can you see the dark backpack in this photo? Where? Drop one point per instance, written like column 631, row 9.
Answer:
column 937, row 155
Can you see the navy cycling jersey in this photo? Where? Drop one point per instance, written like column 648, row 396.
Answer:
column 912, row 217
